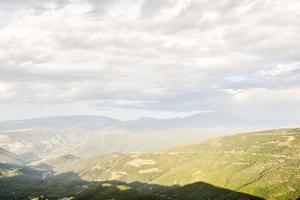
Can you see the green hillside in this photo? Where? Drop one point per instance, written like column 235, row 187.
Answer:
column 258, row 165
column 264, row 164
column 33, row 184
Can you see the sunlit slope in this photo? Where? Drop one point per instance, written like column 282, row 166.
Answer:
column 8, row 157
column 264, row 164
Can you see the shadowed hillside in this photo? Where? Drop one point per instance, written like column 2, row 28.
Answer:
column 32, row 184
column 195, row 191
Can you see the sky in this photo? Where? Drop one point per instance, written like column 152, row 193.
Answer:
column 150, row 58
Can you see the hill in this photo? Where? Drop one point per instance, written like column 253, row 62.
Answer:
column 92, row 140
column 87, row 136
column 264, row 164
column 33, row 184
column 8, row 157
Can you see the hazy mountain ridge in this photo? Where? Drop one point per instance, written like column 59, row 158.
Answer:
column 93, row 141
column 57, row 122
column 201, row 120
column 92, row 135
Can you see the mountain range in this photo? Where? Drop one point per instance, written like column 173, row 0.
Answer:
column 95, row 135
column 86, row 136
column 252, row 165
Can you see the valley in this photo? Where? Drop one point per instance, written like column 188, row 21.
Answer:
column 86, row 136
column 262, row 164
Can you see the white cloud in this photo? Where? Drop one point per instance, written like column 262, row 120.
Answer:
column 281, row 69
column 271, row 104
column 180, row 55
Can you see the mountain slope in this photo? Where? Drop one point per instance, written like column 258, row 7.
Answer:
column 87, row 136
column 21, row 182
column 32, row 184
column 264, row 164
column 8, row 157
column 87, row 141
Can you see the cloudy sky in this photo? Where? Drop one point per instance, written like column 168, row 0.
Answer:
column 154, row 58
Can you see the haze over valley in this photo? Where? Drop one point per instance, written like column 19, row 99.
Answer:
column 149, row 100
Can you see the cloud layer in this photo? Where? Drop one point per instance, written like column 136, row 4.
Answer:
column 240, row 57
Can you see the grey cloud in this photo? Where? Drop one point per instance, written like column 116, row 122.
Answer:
column 16, row 1
column 152, row 7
